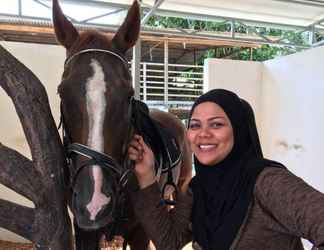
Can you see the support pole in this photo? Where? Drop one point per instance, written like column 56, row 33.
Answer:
column 166, row 72
column 144, row 82
column 136, row 69
column 312, row 35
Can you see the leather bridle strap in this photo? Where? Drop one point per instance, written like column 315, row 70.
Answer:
column 99, row 157
column 69, row 59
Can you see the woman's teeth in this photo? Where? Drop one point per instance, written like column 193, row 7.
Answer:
column 207, row 146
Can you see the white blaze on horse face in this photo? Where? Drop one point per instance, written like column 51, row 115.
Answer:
column 96, row 106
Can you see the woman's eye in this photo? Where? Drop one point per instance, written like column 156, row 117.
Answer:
column 194, row 126
column 216, row 124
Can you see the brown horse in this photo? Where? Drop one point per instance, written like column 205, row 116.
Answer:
column 98, row 111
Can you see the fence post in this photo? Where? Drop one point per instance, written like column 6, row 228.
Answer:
column 144, row 82
column 136, row 69
column 166, row 72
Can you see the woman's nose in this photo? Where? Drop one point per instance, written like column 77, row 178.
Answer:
column 204, row 132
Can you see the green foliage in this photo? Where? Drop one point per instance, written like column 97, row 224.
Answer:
column 262, row 53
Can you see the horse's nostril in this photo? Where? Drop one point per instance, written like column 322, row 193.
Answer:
column 75, row 194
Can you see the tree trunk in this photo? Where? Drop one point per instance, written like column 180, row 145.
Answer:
column 41, row 180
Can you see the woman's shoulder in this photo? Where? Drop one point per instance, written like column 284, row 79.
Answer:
column 272, row 172
column 273, row 178
column 280, row 181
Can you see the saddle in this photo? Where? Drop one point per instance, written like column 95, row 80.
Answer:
column 161, row 140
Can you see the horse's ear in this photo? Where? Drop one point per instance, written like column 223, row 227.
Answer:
column 128, row 32
column 65, row 32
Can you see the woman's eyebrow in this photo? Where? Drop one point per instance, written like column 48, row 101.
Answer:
column 215, row 117
column 209, row 119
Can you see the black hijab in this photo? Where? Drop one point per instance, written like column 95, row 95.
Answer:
column 223, row 192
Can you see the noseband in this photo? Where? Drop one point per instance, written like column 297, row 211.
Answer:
column 96, row 158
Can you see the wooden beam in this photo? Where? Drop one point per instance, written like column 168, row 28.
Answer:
column 196, row 41
column 27, row 28
column 38, row 31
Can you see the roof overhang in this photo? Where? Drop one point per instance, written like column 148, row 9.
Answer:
column 300, row 13
column 293, row 15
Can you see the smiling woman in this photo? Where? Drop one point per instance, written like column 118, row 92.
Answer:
column 210, row 133
column 238, row 199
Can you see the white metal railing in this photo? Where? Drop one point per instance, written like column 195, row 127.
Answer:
column 183, row 85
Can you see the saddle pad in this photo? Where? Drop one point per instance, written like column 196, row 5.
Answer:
column 160, row 139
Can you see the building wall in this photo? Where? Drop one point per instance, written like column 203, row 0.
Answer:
column 287, row 94
column 293, row 113
column 241, row 77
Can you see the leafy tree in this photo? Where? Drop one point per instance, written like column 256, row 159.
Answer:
column 262, row 53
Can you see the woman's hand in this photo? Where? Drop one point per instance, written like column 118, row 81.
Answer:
column 144, row 160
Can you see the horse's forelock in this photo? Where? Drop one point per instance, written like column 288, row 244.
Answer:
column 91, row 39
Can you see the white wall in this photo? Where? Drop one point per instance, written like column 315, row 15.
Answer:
column 241, row 77
column 47, row 64
column 293, row 113
column 288, row 96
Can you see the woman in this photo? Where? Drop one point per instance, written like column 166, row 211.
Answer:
column 240, row 200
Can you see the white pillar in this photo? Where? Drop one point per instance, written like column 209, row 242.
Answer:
column 136, row 69
column 166, row 73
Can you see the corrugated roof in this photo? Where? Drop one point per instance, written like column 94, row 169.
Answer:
column 286, row 12
column 108, row 14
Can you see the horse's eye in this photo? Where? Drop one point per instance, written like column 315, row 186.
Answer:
column 65, row 73
column 59, row 89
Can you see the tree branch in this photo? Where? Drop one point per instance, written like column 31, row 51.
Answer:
column 18, row 174
column 31, row 103
column 49, row 224
column 16, row 218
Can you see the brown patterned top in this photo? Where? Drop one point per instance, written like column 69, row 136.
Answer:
column 284, row 209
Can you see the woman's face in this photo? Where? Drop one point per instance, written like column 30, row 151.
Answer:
column 210, row 133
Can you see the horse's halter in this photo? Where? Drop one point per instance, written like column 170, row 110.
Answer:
column 106, row 162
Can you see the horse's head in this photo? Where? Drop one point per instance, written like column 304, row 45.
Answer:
column 96, row 92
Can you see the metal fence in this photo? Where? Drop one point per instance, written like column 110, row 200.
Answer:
column 174, row 86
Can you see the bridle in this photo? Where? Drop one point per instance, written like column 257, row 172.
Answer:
column 120, row 172
column 106, row 162
column 120, row 57
column 95, row 157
